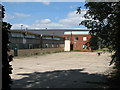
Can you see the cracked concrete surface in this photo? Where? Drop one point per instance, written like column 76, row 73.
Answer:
column 61, row 70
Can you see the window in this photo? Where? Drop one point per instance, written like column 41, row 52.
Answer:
column 56, row 38
column 47, row 38
column 52, row 46
column 24, row 40
column 76, row 38
column 30, row 46
column 46, row 45
column 84, row 38
column 13, row 34
column 84, row 47
column 68, row 38
column 17, row 34
column 29, row 36
column 37, row 37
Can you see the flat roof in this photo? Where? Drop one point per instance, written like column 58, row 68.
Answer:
column 57, row 32
column 77, row 29
column 36, row 34
column 76, row 32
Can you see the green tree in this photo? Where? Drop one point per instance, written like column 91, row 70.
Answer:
column 6, row 67
column 103, row 18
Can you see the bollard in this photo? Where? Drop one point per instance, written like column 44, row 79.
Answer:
column 15, row 52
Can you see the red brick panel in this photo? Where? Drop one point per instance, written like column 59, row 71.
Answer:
column 78, row 45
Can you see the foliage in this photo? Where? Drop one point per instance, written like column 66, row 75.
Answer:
column 102, row 50
column 80, row 51
column 103, row 18
column 93, row 42
column 6, row 59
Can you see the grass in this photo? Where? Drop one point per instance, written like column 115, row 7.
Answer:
column 80, row 51
column 104, row 49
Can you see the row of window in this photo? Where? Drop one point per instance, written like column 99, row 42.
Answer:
column 31, row 46
column 31, row 36
column 77, row 38
column 21, row 35
column 50, row 46
column 50, row 38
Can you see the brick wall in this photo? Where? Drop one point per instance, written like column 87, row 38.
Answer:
column 29, row 52
column 78, row 45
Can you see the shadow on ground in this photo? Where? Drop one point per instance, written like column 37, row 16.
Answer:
column 73, row 78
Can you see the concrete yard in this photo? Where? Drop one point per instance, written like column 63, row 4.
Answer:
column 62, row 70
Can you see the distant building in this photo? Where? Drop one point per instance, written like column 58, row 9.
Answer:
column 78, row 39
column 27, row 40
column 50, row 38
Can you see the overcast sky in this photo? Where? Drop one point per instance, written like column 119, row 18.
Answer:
column 39, row 15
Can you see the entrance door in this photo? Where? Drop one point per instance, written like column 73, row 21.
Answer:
column 71, row 46
column 67, row 45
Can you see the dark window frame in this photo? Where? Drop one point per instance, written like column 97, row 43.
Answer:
column 76, row 38
column 84, row 46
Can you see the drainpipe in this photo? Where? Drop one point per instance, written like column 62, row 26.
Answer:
column 71, row 38
column 41, row 41
column 71, row 46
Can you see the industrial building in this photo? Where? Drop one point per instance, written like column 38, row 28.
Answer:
column 50, row 38
column 27, row 40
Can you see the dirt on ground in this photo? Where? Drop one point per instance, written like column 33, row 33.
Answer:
column 62, row 70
